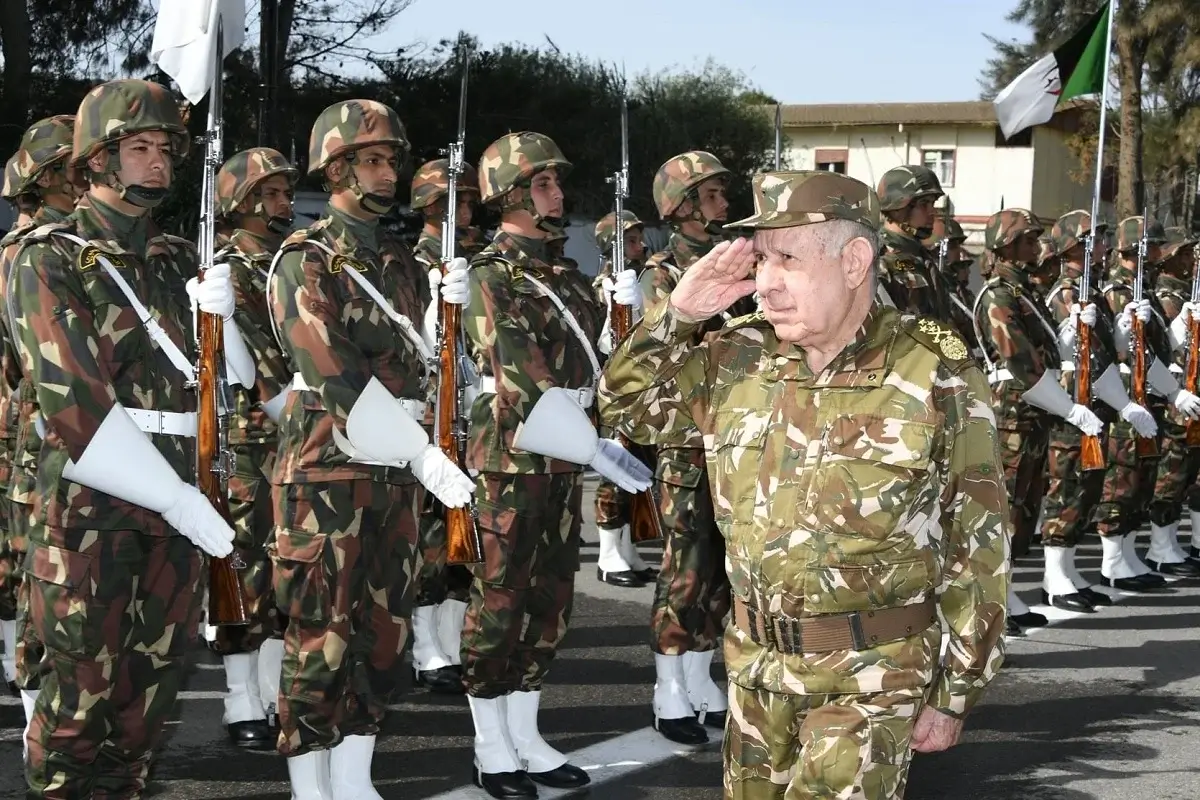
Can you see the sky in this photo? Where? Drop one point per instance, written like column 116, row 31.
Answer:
column 798, row 51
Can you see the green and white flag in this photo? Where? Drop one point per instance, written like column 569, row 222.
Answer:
column 1075, row 68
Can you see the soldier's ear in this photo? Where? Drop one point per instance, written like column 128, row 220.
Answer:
column 45, row 178
column 858, row 259
column 98, row 162
column 336, row 171
column 246, row 206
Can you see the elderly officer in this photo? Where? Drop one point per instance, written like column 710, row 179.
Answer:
column 853, row 458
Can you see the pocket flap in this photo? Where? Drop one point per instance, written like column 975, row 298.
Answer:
column 678, row 472
column 60, row 566
column 838, row 588
column 299, row 545
column 884, row 440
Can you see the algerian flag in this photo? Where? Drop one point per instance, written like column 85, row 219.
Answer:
column 185, row 40
column 1075, row 68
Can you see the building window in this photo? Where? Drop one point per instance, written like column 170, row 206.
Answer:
column 941, row 162
column 831, row 160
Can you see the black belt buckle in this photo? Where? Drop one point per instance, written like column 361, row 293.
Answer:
column 857, row 637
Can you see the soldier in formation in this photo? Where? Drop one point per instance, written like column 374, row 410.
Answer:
column 908, row 274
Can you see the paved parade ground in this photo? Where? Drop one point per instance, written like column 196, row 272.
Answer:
column 1105, row 705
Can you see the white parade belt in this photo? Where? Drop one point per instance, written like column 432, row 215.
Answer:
column 584, row 396
column 414, row 408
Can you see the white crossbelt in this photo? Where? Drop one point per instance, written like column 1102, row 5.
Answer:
column 414, row 408
column 572, row 323
column 998, row 375
column 167, row 423
column 585, row 396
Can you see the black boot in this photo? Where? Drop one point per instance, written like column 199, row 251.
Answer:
column 254, row 734
column 685, row 730
column 1076, row 601
column 1096, row 598
column 626, row 579
column 1182, row 569
column 504, row 784
column 568, row 776
column 1030, row 619
column 443, row 680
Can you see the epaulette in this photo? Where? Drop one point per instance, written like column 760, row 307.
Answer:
column 44, row 232
column 939, row 339
column 752, row 320
column 179, row 241
column 16, row 234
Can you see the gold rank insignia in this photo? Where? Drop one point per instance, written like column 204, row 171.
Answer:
column 89, row 256
column 341, row 262
column 947, row 340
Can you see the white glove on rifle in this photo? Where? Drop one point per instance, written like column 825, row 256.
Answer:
column 1142, row 420
column 455, row 287
column 1047, row 395
column 192, row 515
column 214, row 295
column 442, row 477
column 1083, row 418
column 620, row 466
column 1187, row 403
column 1179, row 326
column 627, row 291
column 1109, row 389
column 604, row 343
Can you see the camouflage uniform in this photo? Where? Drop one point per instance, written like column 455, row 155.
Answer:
column 871, row 520
column 955, row 276
column 345, row 534
column 115, row 593
column 906, row 271
column 1020, row 344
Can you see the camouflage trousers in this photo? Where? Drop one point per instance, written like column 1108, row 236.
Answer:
column 117, row 612
column 253, row 522
column 1128, row 483
column 11, row 546
column 818, row 746
column 692, row 595
column 29, row 648
column 344, row 557
column 522, row 595
column 1178, row 466
column 1023, row 452
column 612, row 506
column 1073, row 495
column 437, row 581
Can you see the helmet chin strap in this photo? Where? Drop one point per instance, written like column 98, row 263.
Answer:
column 280, row 226
column 370, row 202
column 553, row 227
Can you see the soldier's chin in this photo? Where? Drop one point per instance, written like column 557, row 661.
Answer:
column 788, row 328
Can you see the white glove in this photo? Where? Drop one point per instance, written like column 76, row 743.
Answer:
column 194, row 517
column 442, row 477
column 1141, row 309
column 627, row 291
column 1187, row 311
column 455, row 289
column 1087, row 316
column 1141, row 420
column 604, row 343
column 621, row 467
column 215, row 294
column 1083, row 418
column 1178, row 329
column 1187, row 403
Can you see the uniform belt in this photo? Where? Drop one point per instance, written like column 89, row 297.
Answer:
column 167, row 423
column 414, row 408
column 997, row 375
column 858, row 630
column 584, row 396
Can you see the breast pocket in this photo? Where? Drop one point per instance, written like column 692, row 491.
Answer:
column 872, row 473
column 738, row 450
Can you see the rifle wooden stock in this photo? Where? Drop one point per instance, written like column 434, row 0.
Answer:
column 1191, row 382
column 1091, row 456
column 463, row 543
column 645, row 521
column 226, row 598
column 1146, row 448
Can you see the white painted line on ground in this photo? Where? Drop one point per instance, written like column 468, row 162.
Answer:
column 605, row 761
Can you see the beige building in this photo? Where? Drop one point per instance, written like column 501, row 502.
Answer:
column 960, row 142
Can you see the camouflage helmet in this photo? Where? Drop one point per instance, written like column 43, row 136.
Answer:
column 431, row 181
column 1071, row 229
column 901, row 186
column 47, row 142
column 1129, row 233
column 119, row 109
column 806, row 197
column 679, row 175
column 1177, row 239
column 12, row 177
column 1005, row 226
column 239, row 176
column 513, row 159
column 604, row 228
column 351, row 125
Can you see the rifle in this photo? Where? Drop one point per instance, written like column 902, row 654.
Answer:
column 463, row 542
column 1192, row 376
column 1091, row 455
column 226, row 598
column 645, row 524
column 1146, row 447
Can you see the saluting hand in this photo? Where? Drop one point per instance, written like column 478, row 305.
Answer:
column 715, row 282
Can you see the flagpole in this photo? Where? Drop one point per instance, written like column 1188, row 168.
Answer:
column 1112, row 15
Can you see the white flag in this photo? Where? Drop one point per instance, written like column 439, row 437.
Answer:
column 185, row 40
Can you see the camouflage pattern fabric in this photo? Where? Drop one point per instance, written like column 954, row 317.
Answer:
column 607, row 226
column 252, row 438
column 522, row 596
column 679, row 175
column 344, row 554
column 1129, row 233
column 431, row 182
column 831, row 746
column 337, row 338
column 117, row 611
column 351, row 125
column 874, row 513
column 1005, row 226
column 900, row 186
column 513, row 159
column 242, row 173
column 907, row 274
column 112, row 584
column 117, row 109
column 45, row 143
column 1024, row 452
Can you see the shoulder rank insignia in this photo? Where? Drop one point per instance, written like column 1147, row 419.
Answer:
column 342, row 262
column 947, row 341
column 746, row 320
column 90, row 256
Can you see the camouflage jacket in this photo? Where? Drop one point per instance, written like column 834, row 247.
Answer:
column 1019, row 339
column 874, row 484
column 337, row 338
column 84, row 348
column 519, row 341
column 1119, row 293
column 18, row 405
column 1059, row 300
column 682, row 464
column 907, row 274
column 249, row 258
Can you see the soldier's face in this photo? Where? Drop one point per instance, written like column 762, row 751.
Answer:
column 808, row 285
column 277, row 196
column 713, row 203
column 146, row 160
column 547, row 193
column 376, row 168
column 1026, row 248
column 921, row 213
column 635, row 248
column 466, row 209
